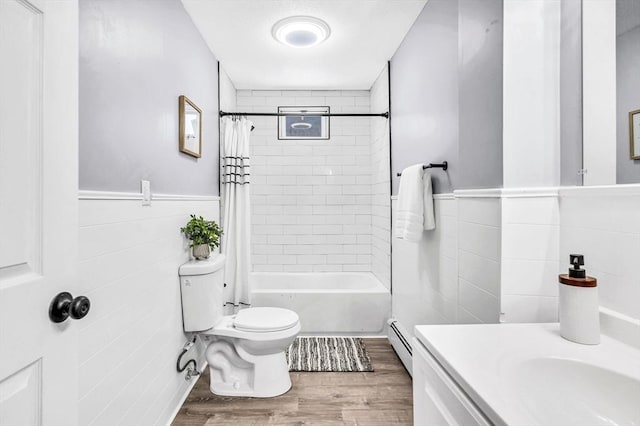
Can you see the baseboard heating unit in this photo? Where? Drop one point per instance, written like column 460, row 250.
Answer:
column 400, row 342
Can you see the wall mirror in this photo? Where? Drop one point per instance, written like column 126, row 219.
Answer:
column 190, row 138
column 611, row 91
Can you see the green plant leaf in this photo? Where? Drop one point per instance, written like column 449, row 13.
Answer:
column 202, row 231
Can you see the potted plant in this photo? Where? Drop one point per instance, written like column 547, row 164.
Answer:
column 204, row 235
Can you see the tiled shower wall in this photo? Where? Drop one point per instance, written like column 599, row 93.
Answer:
column 311, row 201
column 380, row 185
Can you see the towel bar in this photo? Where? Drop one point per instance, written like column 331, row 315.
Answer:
column 444, row 166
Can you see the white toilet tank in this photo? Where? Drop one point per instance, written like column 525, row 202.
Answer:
column 201, row 286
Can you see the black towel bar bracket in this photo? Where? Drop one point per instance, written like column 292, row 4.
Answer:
column 444, row 166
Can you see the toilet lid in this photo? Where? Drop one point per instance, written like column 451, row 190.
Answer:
column 265, row 319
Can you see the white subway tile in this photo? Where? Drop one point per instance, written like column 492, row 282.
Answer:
column 266, row 249
column 297, row 229
column 311, row 180
column 480, row 271
column 328, row 268
column 356, row 268
column 268, row 268
column 483, row 211
column 298, row 268
column 278, row 259
column 298, row 249
column 341, row 199
column 530, row 242
column 343, row 259
column 266, row 93
column 518, row 309
column 327, row 249
column 341, row 100
column 342, row 239
column 482, row 240
column 357, row 249
column 530, row 277
column 313, row 259
column 340, row 180
column 276, row 102
column 327, row 229
column 312, row 220
column 343, row 219
column 311, row 239
column 478, row 302
column 327, row 189
column 327, row 210
column 280, row 239
column 534, row 211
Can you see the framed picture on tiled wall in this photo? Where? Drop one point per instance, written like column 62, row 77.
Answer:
column 303, row 122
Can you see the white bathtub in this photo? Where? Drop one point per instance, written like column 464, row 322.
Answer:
column 340, row 303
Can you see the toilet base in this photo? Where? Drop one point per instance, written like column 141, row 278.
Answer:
column 236, row 372
column 270, row 378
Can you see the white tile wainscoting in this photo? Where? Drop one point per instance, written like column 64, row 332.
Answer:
column 380, row 184
column 530, row 255
column 129, row 258
column 425, row 274
column 603, row 223
column 479, row 256
column 496, row 254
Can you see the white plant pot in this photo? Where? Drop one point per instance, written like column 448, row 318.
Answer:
column 201, row 251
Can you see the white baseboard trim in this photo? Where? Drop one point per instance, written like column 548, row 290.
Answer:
column 111, row 195
column 186, row 394
column 401, row 345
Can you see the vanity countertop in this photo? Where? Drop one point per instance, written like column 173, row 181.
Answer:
column 525, row 374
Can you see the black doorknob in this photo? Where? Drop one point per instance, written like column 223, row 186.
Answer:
column 64, row 306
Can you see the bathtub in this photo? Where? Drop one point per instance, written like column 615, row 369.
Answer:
column 328, row 303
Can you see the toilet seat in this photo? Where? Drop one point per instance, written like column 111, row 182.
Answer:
column 264, row 320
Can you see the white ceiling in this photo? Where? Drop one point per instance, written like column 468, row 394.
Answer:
column 364, row 36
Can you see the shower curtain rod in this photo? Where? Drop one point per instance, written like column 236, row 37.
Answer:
column 297, row 114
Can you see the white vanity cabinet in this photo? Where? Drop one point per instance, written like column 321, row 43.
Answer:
column 437, row 399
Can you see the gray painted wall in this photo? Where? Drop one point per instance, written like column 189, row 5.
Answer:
column 627, row 99
column 424, row 95
column 446, row 94
column 570, row 92
column 480, row 61
column 136, row 58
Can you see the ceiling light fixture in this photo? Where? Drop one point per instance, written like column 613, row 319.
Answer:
column 301, row 125
column 301, row 31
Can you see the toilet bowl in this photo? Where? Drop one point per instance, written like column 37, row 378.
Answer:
column 245, row 351
column 247, row 358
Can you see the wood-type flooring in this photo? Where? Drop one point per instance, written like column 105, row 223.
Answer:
column 382, row 397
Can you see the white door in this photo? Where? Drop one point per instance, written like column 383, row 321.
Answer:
column 38, row 209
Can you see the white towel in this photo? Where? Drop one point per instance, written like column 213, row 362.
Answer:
column 414, row 212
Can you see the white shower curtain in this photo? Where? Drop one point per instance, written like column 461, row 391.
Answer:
column 236, row 220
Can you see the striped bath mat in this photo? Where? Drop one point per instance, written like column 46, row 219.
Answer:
column 340, row 354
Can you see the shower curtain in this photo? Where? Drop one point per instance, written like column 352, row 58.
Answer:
column 236, row 220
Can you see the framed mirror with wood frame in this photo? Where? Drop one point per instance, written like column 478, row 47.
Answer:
column 190, row 135
column 634, row 134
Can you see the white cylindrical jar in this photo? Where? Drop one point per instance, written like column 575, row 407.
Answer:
column 579, row 310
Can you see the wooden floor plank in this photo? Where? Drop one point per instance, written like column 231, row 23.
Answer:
column 382, row 397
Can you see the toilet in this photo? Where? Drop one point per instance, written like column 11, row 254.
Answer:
column 245, row 351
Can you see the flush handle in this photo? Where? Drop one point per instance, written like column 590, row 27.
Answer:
column 64, row 306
